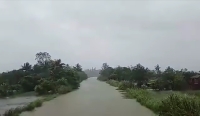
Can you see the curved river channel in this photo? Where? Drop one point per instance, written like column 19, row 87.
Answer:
column 94, row 98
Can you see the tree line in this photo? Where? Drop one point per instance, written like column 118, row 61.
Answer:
column 169, row 79
column 92, row 72
column 44, row 77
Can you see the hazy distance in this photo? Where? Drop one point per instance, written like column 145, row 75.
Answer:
column 92, row 32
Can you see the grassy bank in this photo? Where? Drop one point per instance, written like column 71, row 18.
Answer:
column 162, row 103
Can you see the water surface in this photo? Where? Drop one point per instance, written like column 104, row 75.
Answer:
column 94, row 98
column 6, row 104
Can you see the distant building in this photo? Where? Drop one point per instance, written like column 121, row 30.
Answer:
column 195, row 82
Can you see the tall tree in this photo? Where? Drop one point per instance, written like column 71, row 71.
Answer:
column 43, row 57
column 26, row 67
column 105, row 66
column 78, row 67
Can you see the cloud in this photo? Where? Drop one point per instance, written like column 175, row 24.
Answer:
column 92, row 32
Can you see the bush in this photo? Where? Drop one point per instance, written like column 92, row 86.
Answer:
column 45, row 87
column 180, row 105
column 102, row 78
column 14, row 111
column 113, row 77
column 38, row 103
column 30, row 107
column 113, row 83
column 64, row 89
column 62, row 81
column 123, row 85
column 82, row 75
column 60, row 86
column 174, row 105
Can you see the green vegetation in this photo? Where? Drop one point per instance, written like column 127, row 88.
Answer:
column 46, row 77
column 164, row 92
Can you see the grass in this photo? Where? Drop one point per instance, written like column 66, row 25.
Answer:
column 30, row 107
column 165, row 103
column 113, row 83
column 145, row 98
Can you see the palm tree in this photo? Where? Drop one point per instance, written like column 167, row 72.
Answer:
column 157, row 68
column 56, row 68
column 26, row 67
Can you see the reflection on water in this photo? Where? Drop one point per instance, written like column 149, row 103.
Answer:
column 6, row 104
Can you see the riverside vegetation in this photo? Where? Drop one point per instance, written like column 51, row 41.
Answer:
column 164, row 92
column 47, row 77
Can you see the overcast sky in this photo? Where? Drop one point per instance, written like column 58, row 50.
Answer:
column 119, row 32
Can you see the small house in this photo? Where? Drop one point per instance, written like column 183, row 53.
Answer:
column 195, row 82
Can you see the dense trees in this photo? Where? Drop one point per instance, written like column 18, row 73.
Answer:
column 45, row 76
column 169, row 79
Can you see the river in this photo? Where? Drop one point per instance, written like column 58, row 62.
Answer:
column 94, row 98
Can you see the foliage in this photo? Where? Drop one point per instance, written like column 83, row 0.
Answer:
column 78, row 67
column 170, row 79
column 176, row 104
column 180, row 105
column 144, row 98
column 82, row 76
column 123, row 85
column 28, row 83
column 45, row 87
column 45, row 77
column 159, row 84
column 113, row 83
column 64, row 89
column 102, row 78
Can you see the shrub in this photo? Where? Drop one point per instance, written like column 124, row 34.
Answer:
column 30, row 107
column 13, row 111
column 60, row 86
column 158, row 85
column 180, row 105
column 40, row 90
column 102, row 78
column 113, row 83
column 113, row 77
column 82, row 75
column 174, row 105
column 64, row 89
column 45, row 86
column 62, row 81
column 38, row 103
column 123, row 85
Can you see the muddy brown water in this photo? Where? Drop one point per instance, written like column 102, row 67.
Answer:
column 94, row 98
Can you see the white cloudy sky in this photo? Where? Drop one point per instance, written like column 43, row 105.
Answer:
column 89, row 32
